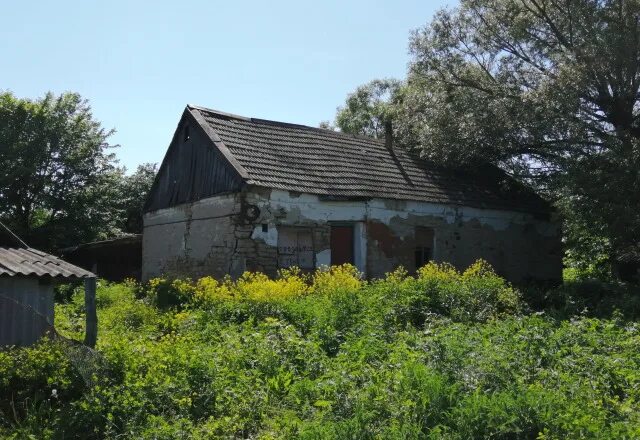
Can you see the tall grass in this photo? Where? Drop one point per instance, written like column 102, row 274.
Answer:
column 444, row 354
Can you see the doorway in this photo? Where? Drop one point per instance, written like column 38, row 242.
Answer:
column 342, row 244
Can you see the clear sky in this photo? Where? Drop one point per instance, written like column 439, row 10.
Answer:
column 140, row 62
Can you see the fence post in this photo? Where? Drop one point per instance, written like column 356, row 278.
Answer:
column 91, row 332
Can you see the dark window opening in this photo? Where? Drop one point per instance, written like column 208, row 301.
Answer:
column 424, row 239
column 265, row 227
column 187, row 135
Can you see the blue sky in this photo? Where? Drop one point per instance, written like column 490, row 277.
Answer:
column 139, row 63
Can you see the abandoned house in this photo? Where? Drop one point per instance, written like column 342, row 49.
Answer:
column 236, row 193
column 27, row 280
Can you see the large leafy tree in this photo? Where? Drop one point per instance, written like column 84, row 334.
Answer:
column 59, row 180
column 547, row 89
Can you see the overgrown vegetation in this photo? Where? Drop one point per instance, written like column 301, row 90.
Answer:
column 444, row 355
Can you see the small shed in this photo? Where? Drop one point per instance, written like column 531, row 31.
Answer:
column 114, row 260
column 27, row 280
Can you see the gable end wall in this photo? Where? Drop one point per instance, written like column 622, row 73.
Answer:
column 192, row 169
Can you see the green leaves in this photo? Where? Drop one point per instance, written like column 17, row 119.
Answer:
column 369, row 108
column 59, row 182
column 53, row 153
column 347, row 363
column 549, row 91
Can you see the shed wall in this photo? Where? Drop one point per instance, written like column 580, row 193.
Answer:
column 226, row 235
column 26, row 310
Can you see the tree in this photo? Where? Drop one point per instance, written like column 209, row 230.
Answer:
column 369, row 108
column 134, row 190
column 546, row 89
column 327, row 125
column 549, row 90
column 56, row 172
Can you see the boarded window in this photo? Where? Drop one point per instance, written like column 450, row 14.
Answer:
column 424, row 246
column 295, row 248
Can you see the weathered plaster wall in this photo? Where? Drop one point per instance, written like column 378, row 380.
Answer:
column 226, row 234
column 193, row 239
column 517, row 244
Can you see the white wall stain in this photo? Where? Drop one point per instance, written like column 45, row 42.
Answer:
column 270, row 237
column 308, row 206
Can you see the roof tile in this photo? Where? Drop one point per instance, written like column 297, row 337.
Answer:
column 317, row 161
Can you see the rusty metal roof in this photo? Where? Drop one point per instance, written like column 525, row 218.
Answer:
column 32, row 262
column 311, row 160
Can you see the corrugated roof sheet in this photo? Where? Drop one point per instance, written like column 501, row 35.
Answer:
column 32, row 262
column 317, row 161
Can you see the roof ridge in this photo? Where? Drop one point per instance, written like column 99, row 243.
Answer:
column 286, row 124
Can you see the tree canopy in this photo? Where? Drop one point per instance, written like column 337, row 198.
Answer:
column 60, row 183
column 546, row 89
column 369, row 108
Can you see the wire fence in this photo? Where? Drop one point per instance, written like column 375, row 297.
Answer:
column 22, row 325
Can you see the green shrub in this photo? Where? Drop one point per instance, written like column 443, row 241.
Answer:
column 443, row 355
column 36, row 384
column 475, row 295
column 593, row 298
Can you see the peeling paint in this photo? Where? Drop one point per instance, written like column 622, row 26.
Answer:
column 270, row 237
column 309, row 207
column 212, row 236
column 323, row 258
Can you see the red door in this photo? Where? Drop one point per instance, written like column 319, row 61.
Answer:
column 341, row 245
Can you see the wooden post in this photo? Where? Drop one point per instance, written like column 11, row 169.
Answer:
column 91, row 332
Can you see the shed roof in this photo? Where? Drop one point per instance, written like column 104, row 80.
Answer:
column 17, row 258
column 123, row 240
column 311, row 160
column 32, row 262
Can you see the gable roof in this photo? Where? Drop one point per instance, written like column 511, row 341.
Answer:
column 337, row 165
